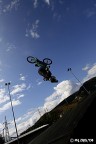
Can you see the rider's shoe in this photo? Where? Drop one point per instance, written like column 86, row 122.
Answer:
column 49, row 79
column 44, row 79
column 36, row 65
column 53, row 79
column 56, row 80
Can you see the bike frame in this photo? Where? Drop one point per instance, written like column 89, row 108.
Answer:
column 40, row 63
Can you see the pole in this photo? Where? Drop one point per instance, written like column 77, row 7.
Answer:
column 7, row 84
column 69, row 69
column 6, row 130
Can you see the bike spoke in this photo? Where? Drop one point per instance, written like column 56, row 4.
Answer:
column 47, row 61
column 31, row 59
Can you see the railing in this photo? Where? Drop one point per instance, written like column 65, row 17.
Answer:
column 27, row 137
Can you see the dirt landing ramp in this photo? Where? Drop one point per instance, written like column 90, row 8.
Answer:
column 77, row 123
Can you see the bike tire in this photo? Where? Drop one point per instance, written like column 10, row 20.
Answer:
column 47, row 61
column 31, row 59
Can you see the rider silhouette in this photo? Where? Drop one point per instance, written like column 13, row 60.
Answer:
column 45, row 72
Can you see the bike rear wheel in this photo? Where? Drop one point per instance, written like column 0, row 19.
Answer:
column 47, row 61
column 31, row 59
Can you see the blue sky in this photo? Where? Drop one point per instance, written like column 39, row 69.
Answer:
column 63, row 30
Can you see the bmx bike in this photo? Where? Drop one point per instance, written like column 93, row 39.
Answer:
column 37, row 62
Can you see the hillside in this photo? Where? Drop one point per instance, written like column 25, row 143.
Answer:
column 64, row 108
column 77, row 124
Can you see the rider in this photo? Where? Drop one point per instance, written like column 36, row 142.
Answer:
column 45, row 72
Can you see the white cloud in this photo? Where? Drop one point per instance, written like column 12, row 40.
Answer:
column 47, row 1
column 0, row 6
column 90, row 73
column 1, row 126
column 30, row 119
column 23, row 122
column 61, row 1
column 18, row 88
column 90, row 12
column 23, row 118
column 20, row 96
column 28, row 87
column 33, row 30
column 23, row 78
column 34, row 34
column 38, row 82
column 86, row 67
column 3, row 97
column 2, row 80
column 62, row 91
column 10, row 47
column 13, row 4
column 35, row 3
column 8, row 105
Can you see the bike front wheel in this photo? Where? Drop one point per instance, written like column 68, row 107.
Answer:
column 47, row 61
column 31, row 59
